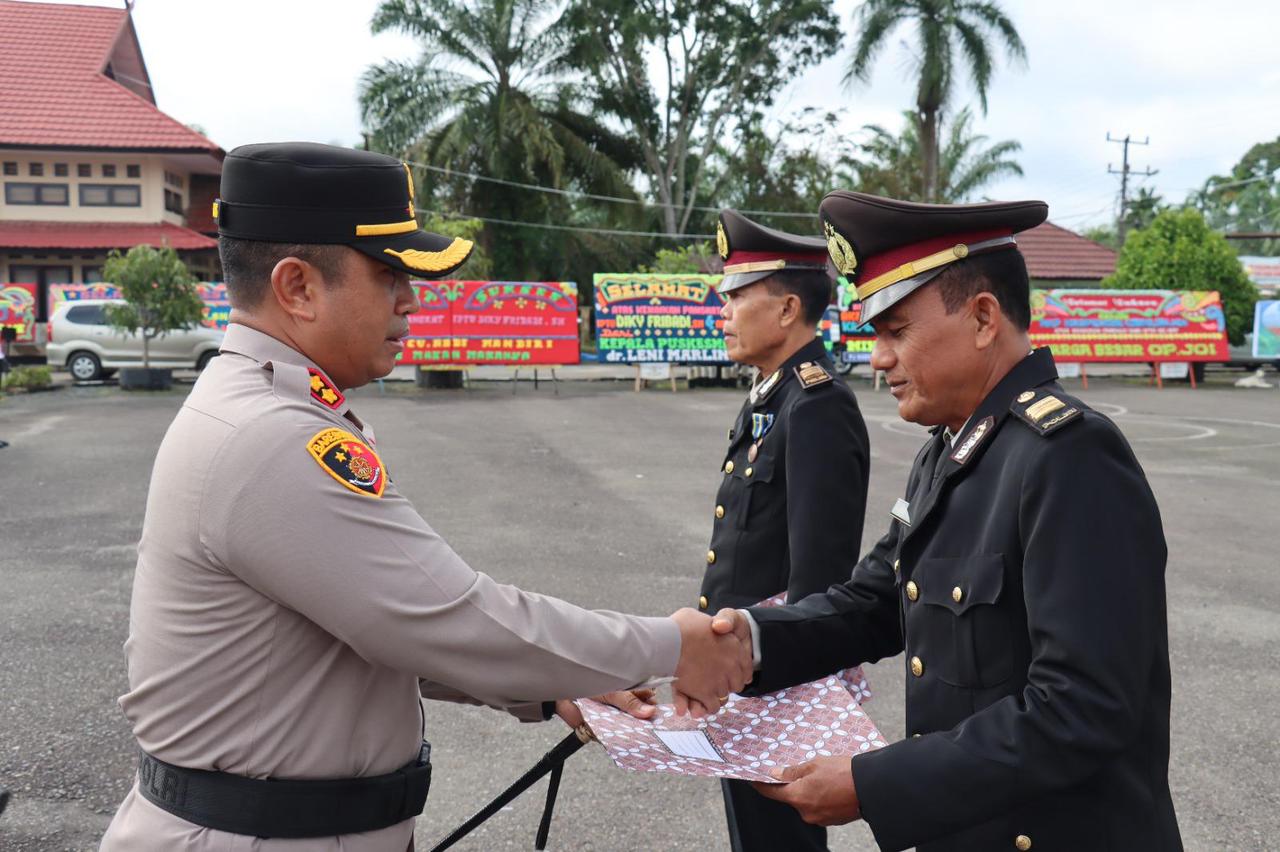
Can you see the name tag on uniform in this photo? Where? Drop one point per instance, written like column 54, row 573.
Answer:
column 902, row 511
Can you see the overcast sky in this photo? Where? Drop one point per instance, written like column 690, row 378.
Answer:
column 1200, row 79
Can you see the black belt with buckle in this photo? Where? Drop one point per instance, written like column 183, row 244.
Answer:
column 272, row 807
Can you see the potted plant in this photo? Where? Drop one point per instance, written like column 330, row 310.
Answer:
column 159, row 296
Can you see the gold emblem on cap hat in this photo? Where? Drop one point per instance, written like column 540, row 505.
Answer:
column 722, row 241
column 840, row 250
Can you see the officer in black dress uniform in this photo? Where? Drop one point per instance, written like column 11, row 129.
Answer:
column 1022, row 572
column 788, row 515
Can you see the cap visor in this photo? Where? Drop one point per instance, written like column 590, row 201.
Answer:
column 422, row 254
column 879, row 302
column 737, row 280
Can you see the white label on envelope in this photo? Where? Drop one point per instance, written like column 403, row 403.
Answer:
column 902, row 511
column 689, row 744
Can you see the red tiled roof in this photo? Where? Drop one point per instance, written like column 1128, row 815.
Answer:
column 1055, row 252
column 53, row 91
column 73, row 236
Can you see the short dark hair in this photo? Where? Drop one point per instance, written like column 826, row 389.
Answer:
column 247, row 265
column 1003, row 274
column 813, row 286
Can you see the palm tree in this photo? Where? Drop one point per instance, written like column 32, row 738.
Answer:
column 484, row 98
column 894, row 165
column 948, row 32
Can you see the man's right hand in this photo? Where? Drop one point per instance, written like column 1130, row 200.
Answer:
column 714, row 661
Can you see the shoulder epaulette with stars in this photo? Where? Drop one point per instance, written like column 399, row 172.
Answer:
column 812, row 374
column 1044, row 412
column 323, row 390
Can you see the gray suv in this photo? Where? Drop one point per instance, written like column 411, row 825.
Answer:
column 81, row 340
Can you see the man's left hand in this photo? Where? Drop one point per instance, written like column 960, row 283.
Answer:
column 640, row 703
column 821, row 791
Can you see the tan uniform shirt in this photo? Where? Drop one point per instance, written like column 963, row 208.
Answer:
column 283, row 612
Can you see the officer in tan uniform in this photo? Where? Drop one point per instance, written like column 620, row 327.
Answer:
column 289, row 605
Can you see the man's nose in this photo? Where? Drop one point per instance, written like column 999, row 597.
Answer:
column 409, row 299
column 882, row 357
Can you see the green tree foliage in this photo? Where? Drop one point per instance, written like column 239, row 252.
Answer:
column 1140, row 211
column 787, row 169
column 159, row 294
column 479, row 266
column 949, row 33
column 1103, row 235
column 1179, row 251
column 894, row 165
column 684, row 76
column 1247, row 199
column 487, row 96
column 691, row 259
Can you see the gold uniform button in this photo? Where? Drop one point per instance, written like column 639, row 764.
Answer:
column 895, row 566
column 719, row 511
column 728, row 466
column 703, row 602
column 711, row 557
column 913, row 591
column 748, row 472
column 1022, row 843
column 957, row 595
column 1027, row 396
column 917, row 666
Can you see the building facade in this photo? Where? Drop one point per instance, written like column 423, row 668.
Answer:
column 88, row 162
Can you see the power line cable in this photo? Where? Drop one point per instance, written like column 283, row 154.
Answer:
column 613, row 232
column 614, row 199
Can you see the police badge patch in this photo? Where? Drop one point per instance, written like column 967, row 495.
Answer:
column 349, row 460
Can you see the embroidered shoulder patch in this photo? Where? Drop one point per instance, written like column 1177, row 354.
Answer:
column 1045, row 414
column 323, row 390
column 811, row 375
column 349, row 460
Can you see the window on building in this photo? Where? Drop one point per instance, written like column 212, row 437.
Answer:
column 41, row 194
column 110, row 195
column 173, row 202
column 60, row 170
column 91, row 274
column 10, row 168
column 133, row 171
column 84, row 170
column 35, row 169
column 108, row 171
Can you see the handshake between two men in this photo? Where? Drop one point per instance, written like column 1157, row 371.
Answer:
column 717, row 659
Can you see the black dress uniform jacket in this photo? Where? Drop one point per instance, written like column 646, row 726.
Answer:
column 789, row 515
column 1028, row 594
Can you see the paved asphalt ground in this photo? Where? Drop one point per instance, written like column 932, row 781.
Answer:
column 603, row 496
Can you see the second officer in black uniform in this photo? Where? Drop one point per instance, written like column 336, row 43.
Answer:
column 788, row 514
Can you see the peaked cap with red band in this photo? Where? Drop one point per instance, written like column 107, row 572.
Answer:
column 888, row 249
column 752, row 252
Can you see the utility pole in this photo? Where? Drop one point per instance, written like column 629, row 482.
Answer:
column 1124, row 173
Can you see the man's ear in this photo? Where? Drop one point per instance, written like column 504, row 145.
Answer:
column 792, row 310
column 987, row 316
column 295, row 285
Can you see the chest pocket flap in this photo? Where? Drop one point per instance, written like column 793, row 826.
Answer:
column 961, row 583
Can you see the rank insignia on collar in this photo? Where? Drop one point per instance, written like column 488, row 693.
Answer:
column 811, row 375
column 761, row 423
column 349, row 460
column 760, row 392
column 323, row 390
column 976, row 436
